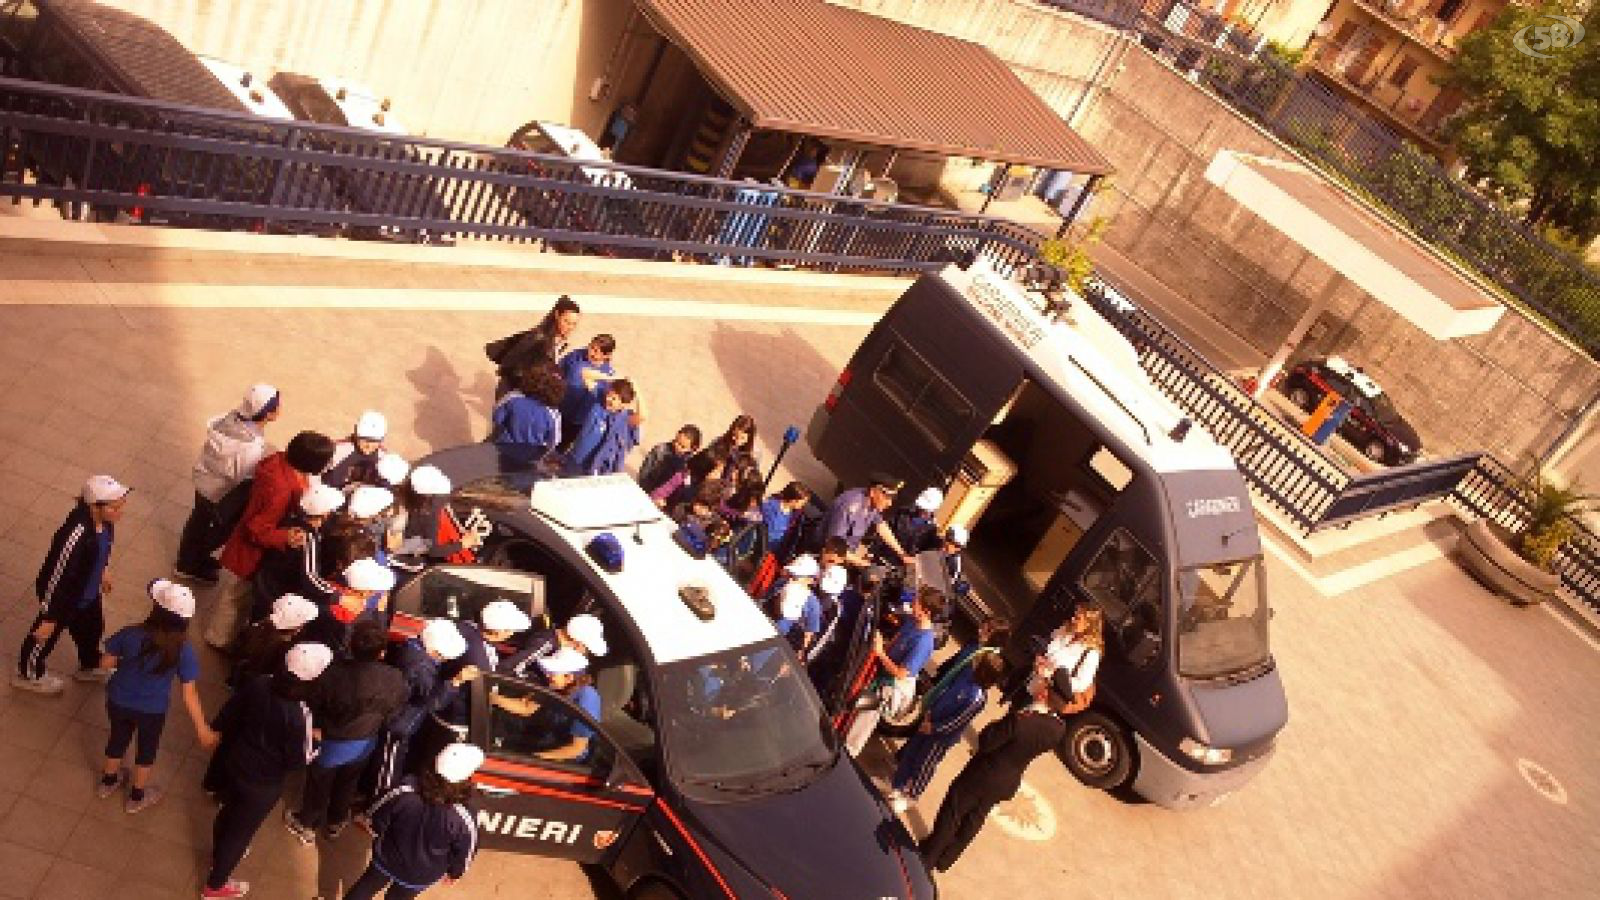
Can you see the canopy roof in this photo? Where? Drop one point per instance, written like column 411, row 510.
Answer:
column 1395, row 268
column 810, row 67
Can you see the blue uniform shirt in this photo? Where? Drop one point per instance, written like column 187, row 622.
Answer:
column 587, row 699
column 579, row 399
column 851, row 517
column 526, row 425
column 102, row 555
column 912, row 647
column 810, row 620
column 777, row 519
column 136, row 684
column 602, row 444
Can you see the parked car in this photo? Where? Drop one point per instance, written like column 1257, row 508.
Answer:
column 714, row 771
column 1373, row 426
column 572, row 210
column 365, row 189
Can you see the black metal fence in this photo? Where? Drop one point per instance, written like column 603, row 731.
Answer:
column 109, row 157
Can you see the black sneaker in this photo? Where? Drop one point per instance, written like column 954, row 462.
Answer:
column 307, row 836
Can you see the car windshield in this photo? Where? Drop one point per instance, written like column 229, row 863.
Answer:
column 743, row 722
column 1383, row 409
column 1222, row 625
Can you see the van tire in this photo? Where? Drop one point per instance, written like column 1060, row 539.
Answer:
column 1097, row 750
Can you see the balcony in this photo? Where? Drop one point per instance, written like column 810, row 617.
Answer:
column 1405, row 18
column 1414, row 119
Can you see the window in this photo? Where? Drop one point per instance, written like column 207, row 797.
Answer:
column 1222, row 628
column 1402, row 73
column 1449, row 9
column 1111, row 469
column 1123, row 576
column 926, row 398
column 461, row 592
column 529, row 721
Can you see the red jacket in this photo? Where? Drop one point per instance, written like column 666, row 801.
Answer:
column 277, row 487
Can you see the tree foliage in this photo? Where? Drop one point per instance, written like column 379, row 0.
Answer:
column 1531, row 130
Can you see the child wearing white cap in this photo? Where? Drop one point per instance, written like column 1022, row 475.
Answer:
column 501, row 622
column 297, row 569
column 914, row 526
column 429, row 689
column 75, row 574
column 355, row 459
column 147, row 658
column 262, row 645
column 431, row 532
column 424, row 831
column 583, row 633
column 235, row 443
column 268, row 731
column 556, row 734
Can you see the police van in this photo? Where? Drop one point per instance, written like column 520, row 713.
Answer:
column 1079, row 483
column 713, row 771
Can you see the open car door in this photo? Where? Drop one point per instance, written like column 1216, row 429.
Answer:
column 578, row 808
column 843, row 667
column 461, row 592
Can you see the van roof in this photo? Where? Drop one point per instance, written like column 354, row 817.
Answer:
column 1090, row 360
column 654, row 567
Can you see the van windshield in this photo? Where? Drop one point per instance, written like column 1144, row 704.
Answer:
column 1222, row 622
column 744, row 722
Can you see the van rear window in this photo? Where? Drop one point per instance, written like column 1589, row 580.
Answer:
column 926, row 398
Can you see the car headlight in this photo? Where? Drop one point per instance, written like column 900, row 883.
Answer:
column 1206, row 756
column 1401, row 445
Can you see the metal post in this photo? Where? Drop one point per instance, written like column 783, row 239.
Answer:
column 730, row 156
column 994, row 185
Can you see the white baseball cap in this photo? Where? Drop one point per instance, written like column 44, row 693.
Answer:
column 392, row 467
column 292, row 611
column 441, row 636
column 259, row 399
column 430, row 482
column 307, row 661
column 587, row 630
column 834, row 580
column 564, row 661
column 372, row 426
column 957, row 534
column 368, row 575
column 804, row 566
column 503, row 615
column 456, row 762
column 321, row 500
column 173, row 597
column 367, row 501
column 929, row 499
column 103, row 489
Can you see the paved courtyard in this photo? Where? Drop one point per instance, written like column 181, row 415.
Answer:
column 1415, row 705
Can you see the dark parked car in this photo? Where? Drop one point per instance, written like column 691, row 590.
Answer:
column 1373, row 426
column 574, row 210
column 712, row 771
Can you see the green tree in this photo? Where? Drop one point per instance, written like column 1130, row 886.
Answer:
column 1531, row 129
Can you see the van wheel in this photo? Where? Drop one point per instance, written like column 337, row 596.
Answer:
column 1097, row 750
column 1301, row 397
column 1376, row 452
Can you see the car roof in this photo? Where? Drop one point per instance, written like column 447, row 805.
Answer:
column 654, row 567
column 1340, row 366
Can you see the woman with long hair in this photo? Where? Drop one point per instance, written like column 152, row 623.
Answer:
column 147, row 658
column 544, row 343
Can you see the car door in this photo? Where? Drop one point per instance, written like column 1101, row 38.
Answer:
column 578, row 810
column 843, row 675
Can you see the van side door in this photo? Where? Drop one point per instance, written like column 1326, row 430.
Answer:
column 575, row 809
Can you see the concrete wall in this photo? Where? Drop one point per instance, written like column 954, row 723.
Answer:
column 1510, row 391
column 470, row 70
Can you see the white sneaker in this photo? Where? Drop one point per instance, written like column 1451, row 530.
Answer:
column 898, row 802
column 47, row 684
column 90, row 675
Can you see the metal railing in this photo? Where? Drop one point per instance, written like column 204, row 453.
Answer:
column 1492, row 491
column 108, row 157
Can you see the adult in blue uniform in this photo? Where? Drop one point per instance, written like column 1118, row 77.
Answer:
column 948, row 716
column 527, row 422
column 425, row 831
column 857, row 512
column 267, row 727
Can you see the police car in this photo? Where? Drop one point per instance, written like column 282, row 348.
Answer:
column 715, row 770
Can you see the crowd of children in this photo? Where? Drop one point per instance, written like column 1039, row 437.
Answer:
column 303, row 547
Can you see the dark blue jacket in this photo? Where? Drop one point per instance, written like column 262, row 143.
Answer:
column 603, row 442
column 525, row 430
column 428, row 689
column 267, row 736
column 418, row 843
column 70, row 563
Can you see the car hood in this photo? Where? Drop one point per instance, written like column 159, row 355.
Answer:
column 1403, row 432
column 802, row 842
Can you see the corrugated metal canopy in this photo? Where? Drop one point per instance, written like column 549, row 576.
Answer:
column 811, row 67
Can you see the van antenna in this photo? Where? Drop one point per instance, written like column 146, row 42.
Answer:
column 638, row 533
column 1180, row 430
